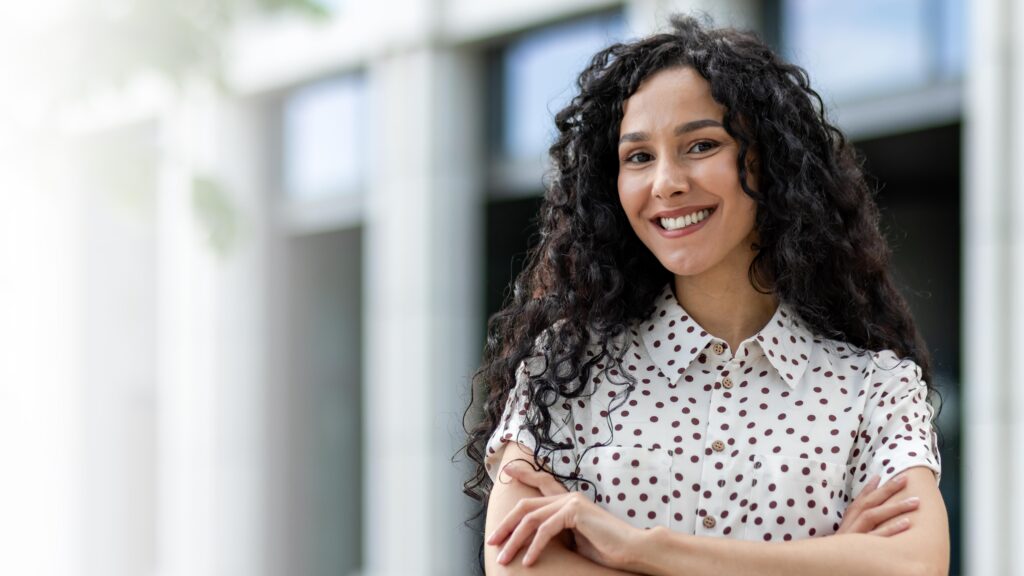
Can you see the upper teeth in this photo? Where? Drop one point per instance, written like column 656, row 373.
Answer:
column 683, row 221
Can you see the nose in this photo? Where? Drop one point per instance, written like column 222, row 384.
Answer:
column 670, row 179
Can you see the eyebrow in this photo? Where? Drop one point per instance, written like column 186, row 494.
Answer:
column 680, row 130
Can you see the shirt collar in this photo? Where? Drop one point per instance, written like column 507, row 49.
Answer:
column 673, row 339
column 787, row 342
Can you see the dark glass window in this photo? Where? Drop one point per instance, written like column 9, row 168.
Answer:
column 854, row 50
column 538, row 78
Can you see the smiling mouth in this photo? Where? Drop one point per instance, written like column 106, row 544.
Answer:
column 683, row 222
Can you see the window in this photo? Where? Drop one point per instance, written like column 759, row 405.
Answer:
column 538, row 78
column 322, row 138
column 861, row 49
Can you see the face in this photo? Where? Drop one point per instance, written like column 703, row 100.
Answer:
column 678, row 181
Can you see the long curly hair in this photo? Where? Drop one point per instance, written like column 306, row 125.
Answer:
column 589, row 276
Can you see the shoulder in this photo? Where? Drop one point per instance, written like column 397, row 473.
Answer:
column 887, row 370
column 863, row 363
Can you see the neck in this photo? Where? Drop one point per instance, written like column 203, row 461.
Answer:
column 723, row 301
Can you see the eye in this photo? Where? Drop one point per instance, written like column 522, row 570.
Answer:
column 638, row 157
column 703, row 146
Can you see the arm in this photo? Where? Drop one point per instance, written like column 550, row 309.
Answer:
column 556, row 557
column 923, row 549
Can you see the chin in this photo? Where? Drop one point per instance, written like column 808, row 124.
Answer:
column 684, row 268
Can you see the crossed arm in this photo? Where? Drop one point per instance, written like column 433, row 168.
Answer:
column 557, row 558
column 923, row 549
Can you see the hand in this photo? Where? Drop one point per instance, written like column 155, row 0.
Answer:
column 869, row 510
column 598, row 534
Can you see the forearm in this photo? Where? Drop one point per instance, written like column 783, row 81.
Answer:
column 668, row 553
column 556, row 560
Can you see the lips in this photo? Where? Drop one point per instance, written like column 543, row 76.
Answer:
column 681, row 212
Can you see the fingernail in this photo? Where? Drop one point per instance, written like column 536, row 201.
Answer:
column 901, row 478
column 912, row 500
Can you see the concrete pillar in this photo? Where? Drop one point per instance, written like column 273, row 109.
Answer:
column 212, row 515
column 993, row 282
column 186, row 525
column 421, row 273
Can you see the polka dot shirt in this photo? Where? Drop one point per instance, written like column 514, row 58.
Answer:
column 770, row 442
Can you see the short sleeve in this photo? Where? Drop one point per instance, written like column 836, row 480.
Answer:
column 511, row 427
column 897, row 432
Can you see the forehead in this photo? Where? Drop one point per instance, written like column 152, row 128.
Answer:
column 668, row 97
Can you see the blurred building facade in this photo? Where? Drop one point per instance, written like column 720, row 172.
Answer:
column 311, row 273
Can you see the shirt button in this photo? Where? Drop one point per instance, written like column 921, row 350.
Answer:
column 709, row 521
column 727, row 382
column 718, row 348
column 718, row 445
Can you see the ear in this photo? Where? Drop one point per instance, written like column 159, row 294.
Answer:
column 753, row 162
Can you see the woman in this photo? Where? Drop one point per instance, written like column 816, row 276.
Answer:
column 705, row 366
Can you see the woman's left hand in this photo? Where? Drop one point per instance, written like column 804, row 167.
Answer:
column 599, row 535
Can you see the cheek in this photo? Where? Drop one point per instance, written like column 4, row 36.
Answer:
column 719, row 175
column 630, row 196
column 744, row 216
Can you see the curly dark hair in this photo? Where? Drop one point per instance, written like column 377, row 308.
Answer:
column 820, row 247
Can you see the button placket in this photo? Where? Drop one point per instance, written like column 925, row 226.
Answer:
column 717, row 461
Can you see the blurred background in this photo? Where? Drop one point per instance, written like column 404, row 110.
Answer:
column 248, row 249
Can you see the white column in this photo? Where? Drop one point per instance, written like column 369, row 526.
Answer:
column 992, row 314
column 185, row 398
column 115, row 241
column 242, row 330
column 397, row 395
column 422, row 275
column 41, row 391
column 1014, row 333
column 456, row 331
column 212, row 500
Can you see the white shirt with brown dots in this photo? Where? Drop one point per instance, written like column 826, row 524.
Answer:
column 770, row 443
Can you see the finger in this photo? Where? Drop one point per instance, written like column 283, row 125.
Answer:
column 891, row 487
column 891, row 528
column 878, row 515
column 858, row 501
column 870, row 486
column 540, row 479
column 868, row 500
column 550, row 528
column 525, row 529
column 511, row 520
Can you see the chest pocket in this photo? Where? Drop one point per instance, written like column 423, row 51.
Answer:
column 632, row 483
column 794, row 498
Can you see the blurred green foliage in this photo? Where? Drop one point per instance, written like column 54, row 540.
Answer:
column 216, row 214
column 104, row 43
